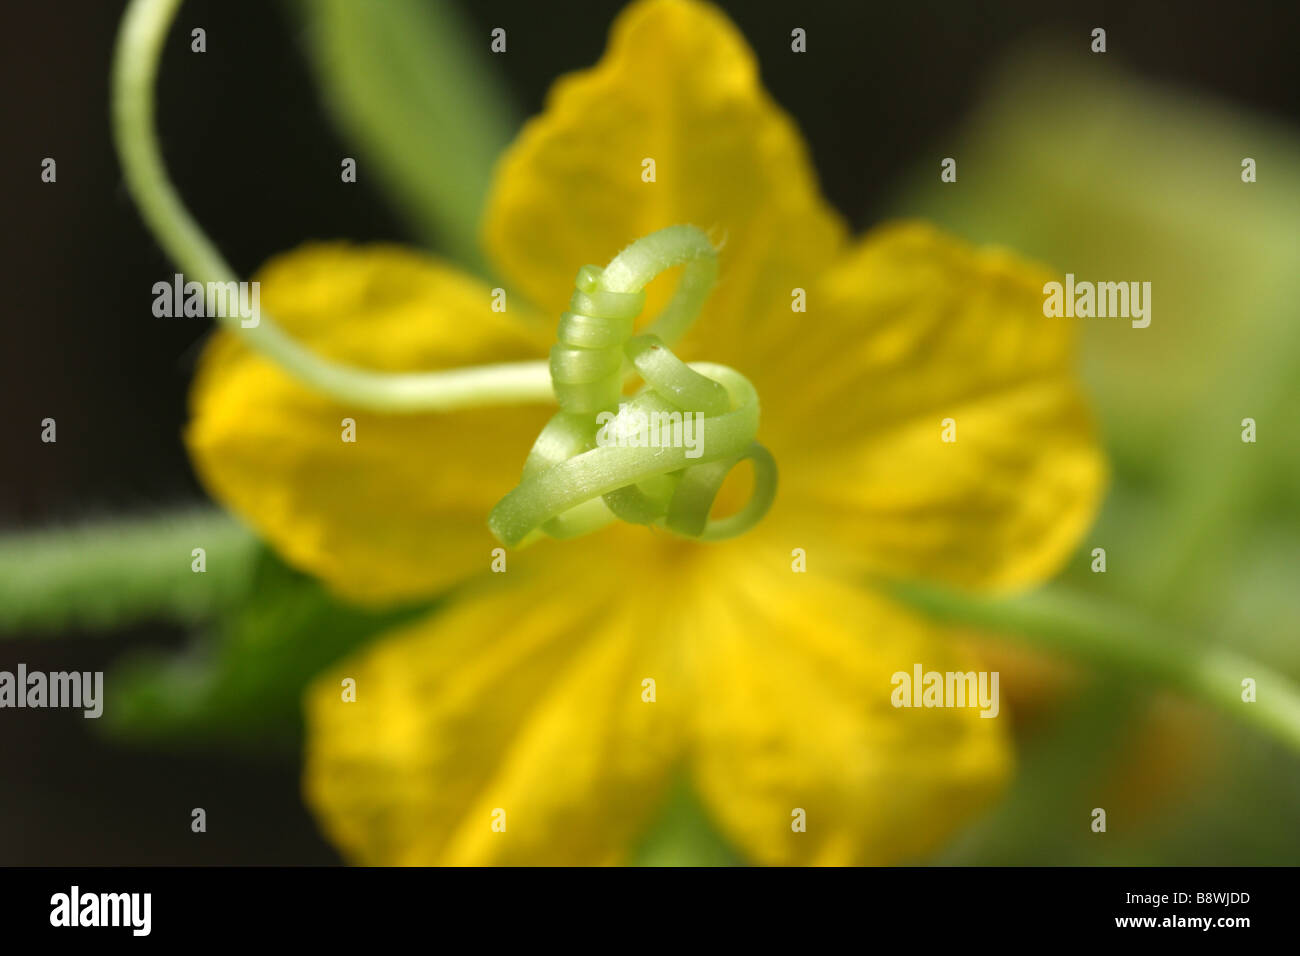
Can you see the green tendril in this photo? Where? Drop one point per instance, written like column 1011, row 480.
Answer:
column 570, row 486
column 135, row 70
column 602, row 457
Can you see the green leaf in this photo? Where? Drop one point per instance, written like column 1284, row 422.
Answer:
column 420, row 96
column 243, row 682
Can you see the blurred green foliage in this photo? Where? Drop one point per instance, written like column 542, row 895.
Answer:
column 1074, row 161
column 422, row 103
column 241, row 682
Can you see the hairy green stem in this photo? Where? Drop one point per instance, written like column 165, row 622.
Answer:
column 110, row 573
column 135, row 67
column 1119, row 639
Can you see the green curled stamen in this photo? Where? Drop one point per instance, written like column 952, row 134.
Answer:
column 657, row 458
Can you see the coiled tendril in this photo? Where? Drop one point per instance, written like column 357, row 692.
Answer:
column 573, row 482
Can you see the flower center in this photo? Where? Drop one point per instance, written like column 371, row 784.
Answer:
column 660, row 456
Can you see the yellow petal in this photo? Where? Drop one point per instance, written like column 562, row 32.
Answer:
column 677, row 85
column 909, row 330
column 402, row 511
column 523, row 696
column 795, row 713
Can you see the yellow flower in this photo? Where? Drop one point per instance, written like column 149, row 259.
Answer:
column 525, row 692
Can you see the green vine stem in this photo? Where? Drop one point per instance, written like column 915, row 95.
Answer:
column 1122, row 640
column 110, row 573
column 135, row 69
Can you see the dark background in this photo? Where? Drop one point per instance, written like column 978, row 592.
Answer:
column 256, row 158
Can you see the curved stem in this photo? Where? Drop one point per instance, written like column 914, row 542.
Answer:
column 135, row 68
column 1113, row 638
